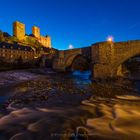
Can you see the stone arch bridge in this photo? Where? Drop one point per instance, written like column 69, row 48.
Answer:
column 106, row 58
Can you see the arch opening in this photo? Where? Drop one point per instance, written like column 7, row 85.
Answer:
column 79, row 63
column 130, row 68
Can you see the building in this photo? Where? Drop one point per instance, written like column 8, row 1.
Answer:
column 20, row 33
column 27, row 47
column 12, row 52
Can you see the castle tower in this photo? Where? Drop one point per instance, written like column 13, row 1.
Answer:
column 19, row 30
column 36, row 31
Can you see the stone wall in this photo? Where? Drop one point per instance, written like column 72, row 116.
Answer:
column 19, row 30
column 19, row 33
column 109, row 57
column 36, row 31
column 45, row 41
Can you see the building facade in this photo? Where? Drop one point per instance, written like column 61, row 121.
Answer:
column 20, row 45
column 11, row 52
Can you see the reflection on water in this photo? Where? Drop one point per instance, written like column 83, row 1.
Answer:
column 80, row 77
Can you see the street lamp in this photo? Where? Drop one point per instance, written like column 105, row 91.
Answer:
column 110, row 38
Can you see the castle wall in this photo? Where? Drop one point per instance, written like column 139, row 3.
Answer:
column 45, row 41
column 19, row 33
column 36, row 31
column 19, row 30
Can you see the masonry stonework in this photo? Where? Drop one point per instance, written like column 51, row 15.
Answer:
column 19, row 33
column 36, row 31
column 45, row 41
column 19, row 30
column 107, row 58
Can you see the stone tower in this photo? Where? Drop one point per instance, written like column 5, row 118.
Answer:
column 19, row 30
column 36, row 31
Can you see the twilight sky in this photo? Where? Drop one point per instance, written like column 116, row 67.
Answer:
column 75, row 23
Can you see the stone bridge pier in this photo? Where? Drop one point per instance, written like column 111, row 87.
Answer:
column 102, row 60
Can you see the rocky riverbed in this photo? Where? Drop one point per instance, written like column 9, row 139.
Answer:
column 44, row 105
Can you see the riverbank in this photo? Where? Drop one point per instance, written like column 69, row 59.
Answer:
column 48, row 105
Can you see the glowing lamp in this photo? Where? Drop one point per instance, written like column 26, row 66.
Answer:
column 110, row 38
column 71, row 46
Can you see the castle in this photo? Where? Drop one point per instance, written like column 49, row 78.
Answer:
column 20, row 45
column 20, row 34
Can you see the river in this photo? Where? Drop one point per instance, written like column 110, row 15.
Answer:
column 51, row 106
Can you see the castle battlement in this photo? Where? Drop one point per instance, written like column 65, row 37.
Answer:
column 19, row 32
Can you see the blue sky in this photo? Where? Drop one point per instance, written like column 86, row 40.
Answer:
column 76, row 22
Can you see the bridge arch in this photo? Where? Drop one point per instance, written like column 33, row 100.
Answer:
column 129, row 51
column 106, row 57
column 119, row 67
column 77, row 62
column 109, row 57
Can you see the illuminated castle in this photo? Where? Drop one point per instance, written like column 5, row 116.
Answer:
column 20, row 45
column 20, row 34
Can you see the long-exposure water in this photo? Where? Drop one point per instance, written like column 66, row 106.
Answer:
column 56, row 106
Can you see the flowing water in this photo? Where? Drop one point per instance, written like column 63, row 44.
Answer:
column 63, row 107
